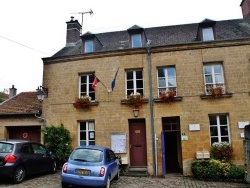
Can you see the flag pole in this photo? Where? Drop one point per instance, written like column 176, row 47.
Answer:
column 99, row 81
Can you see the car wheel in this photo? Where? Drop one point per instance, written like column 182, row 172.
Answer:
column 108, row 183
column 19, row 174
column 53, row 167
column 117, row 175
column 65, row 185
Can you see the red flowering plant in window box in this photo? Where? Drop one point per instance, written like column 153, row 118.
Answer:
column 135, row 100
column 83, row 102
column 221, row 151
column 167, row 96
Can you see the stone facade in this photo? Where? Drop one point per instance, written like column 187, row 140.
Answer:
column 61, row 76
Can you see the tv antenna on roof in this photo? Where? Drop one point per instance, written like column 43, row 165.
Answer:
column 82, row 13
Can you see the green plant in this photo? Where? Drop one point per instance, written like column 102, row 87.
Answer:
column 135, row 100
column 216, row 170
column 83, row 102
column 58, row 140
column 221, row 151
column 1, row 97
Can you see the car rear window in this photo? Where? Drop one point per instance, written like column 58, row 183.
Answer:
column 6, row 147
column 87, row 155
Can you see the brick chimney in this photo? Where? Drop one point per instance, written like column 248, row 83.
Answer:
column 73, row 32
column 245, row 7
column 12, row 92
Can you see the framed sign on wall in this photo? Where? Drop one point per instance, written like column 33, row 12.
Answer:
column 118, row 142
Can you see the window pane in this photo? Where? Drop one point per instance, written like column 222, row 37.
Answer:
column 171, row 82
column 223, row 130
column 217, row 69
column 212, row 120
column 213, row 131
column 136, row 40
column 209, row 79
column 88, row 46
column 140, row 91
column 162, row 82
column 91, row 126
column 207, row 69
column 82, row 126
column 161, row 73
column 130, row 84
column 92, row 143
column 208, row 34
column 171, row 71
column 82, row 135
column 129, row 75
column 138, row 74
column 223, row 120
column 224, row 139
column 214, row 139
column 82, row 143
column 139, row 84
column 218, row 78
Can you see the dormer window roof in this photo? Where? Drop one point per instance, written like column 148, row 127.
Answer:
column 137, row 36
column 90, row 43
column 206, row 30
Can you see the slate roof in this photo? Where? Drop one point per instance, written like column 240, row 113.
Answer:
column 24, row 103
column 164, row 36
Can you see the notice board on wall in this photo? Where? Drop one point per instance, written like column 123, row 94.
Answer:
column 118, row 142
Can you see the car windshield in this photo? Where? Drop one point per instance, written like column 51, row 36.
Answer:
column 6, row 147
column 87, row 155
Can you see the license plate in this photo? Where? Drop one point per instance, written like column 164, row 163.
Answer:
column 82, row 172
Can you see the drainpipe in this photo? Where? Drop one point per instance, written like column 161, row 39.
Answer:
column 151, row 103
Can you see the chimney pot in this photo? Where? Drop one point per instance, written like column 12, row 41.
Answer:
column 12, row 91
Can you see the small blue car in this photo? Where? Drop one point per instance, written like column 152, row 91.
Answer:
column 90, row 166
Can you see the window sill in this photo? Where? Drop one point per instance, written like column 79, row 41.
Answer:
column 227, row 95
column 124, row 101
column 94, row 103
column 158, row 100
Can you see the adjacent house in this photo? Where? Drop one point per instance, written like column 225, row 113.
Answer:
column 193, row 81
column 20, row 117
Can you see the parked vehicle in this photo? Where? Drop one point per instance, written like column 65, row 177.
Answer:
column 90, row 166
column 20, row 158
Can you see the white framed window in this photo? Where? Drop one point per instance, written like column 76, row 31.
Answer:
column 166, row 80
column 85, row 82
column 136, row 40
column 89, row 46
column 134, row 82
column 219, row 128
column 207, row 34
column 213, row 77
column 86, row 133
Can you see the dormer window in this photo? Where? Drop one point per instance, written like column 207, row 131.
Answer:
column 206, row 30
column 90, row 43
column 89, row 46
column 207, row 34
column 136, row 40
column 137, row 36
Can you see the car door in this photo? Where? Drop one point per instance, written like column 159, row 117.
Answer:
column 29, row 159
column 112, row 163
column 42, row 157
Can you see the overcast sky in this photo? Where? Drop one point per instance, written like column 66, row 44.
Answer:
column 34, row 29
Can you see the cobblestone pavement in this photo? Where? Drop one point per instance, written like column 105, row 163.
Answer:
column 172, row 181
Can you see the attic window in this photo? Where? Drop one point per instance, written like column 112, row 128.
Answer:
column 89, row 46
column 207, row 34
column 136, row 40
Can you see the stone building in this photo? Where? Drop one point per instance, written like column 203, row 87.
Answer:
column 194, row 79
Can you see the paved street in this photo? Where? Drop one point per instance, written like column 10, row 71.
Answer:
column 173, row 181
